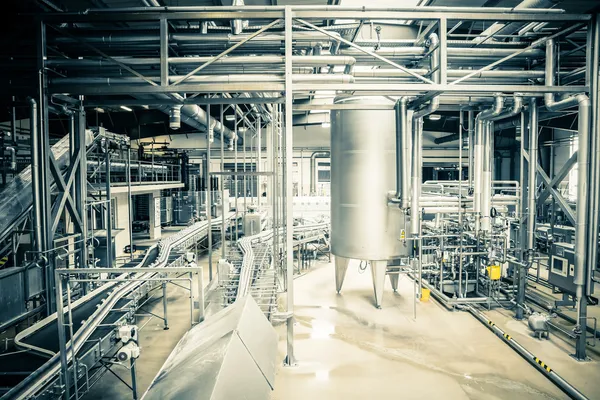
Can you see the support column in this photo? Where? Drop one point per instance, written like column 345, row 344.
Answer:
column 289, row 221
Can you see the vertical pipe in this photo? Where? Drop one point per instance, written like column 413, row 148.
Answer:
column 259, row 160
column 35, row 176
column 289, row 221
column 486, row 183
column 533, row 156
column 521, row 271
column 164, row 52
column 109, row 254
column 209, row 191
column 164, row 301
column 129, row 201
column 594, row 205
column 244, row 184
column 581, row 239
column 235, row 176
column 417, row 164
column 477, row 172
column 470, row 133
column 81, row 187
column 222, row 189
column 402, row 153
column 443, row 51
column 62, row 339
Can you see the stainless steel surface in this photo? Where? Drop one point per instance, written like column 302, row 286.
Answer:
column 231, row 355
column 363, row 165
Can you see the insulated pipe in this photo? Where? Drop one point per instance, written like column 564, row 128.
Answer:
column 479, row 190
column 516, row 109
column 402, row 154
column 193, row 116
column 470, row 132
column 313, row 169
column 583, row 166
column 417, row 163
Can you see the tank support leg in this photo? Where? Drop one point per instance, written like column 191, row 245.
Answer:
column 341, row 266
column 378, row 269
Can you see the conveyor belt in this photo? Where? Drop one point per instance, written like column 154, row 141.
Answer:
column 90, row 314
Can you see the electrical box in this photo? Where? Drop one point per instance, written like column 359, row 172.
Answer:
column 562, row 266
column 494, row 272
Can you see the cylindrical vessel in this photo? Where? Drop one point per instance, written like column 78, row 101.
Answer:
column 363, row 173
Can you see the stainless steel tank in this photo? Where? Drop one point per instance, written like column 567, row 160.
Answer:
column 363, row 172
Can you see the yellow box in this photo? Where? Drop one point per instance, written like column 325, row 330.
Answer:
column 425, row 294
column 494, row 272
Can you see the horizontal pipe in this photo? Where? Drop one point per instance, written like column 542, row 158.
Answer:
column 452, row 52
column 196, row 61
column 299, row 78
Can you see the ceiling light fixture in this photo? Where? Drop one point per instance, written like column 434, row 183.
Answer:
column 435, row 117
column 126, row 108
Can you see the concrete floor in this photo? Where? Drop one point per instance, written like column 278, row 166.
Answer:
column 347, row 349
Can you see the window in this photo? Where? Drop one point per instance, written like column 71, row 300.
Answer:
column 324, row 175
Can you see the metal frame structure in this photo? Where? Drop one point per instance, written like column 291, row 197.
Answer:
column 278, row 91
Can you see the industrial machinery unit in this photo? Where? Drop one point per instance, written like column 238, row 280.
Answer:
column 363, row 225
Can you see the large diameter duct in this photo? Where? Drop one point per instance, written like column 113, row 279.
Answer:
column 363, row 166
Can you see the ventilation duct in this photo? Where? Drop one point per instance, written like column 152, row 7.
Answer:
column 175, row 117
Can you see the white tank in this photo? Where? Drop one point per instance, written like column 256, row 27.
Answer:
column 363, row 173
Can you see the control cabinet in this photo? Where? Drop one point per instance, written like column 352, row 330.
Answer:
column 562, row 266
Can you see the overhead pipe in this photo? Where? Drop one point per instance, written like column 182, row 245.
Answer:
column 313, row 168
column 402, row 153
column 314, row 60
column 134, row 80
column 583, row 171
column 453, row 52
